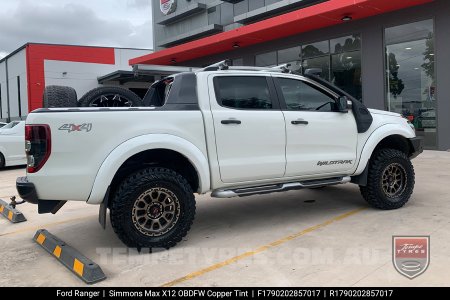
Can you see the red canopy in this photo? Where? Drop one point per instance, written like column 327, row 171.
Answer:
column 321, row 15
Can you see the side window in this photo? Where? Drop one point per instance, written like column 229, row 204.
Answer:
column 299, row 95
column 243, row 92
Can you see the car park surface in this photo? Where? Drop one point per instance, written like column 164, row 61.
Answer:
column 321, row 237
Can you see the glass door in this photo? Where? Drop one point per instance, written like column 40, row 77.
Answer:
column 410, row 76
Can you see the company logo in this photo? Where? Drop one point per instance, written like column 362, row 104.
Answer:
column 411, row 254
column 87, row 127
column 334, row 162
column 167, row 6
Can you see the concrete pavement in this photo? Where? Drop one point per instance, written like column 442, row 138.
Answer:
column 325, row 237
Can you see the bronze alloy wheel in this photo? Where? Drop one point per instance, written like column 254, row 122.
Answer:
column 155, row 212
column 393, row 180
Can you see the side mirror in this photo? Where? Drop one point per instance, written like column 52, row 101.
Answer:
column 342, row 104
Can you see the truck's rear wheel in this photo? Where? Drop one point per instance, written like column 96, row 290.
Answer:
column 110, row 96
column 153, row 208
column 390, row 181
column 59, row 96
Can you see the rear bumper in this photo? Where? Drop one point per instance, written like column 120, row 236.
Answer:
column 26, row 190
column 417, row 146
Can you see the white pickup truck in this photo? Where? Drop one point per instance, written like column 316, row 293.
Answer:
column 231, row 131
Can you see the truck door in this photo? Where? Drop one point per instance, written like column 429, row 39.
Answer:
column 320, row 140
column 249, row 128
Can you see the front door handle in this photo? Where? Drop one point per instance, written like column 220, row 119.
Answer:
column 300, row 122
column 231, row 121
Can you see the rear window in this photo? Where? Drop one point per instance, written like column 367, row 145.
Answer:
column 243, row 92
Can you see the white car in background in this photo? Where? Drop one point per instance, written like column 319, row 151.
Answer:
column 12, row 140
column 2, row 124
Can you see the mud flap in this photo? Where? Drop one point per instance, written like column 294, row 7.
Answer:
column 103, row 208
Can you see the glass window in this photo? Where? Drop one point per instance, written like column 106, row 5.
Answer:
column 243, row 92
column 410, row 76
column 300, row 96
column 268, row 59
column 291, row 56
column 337, row 60
column 316, row 49
column 346, row 72
column 287, row 55
column 319, row 65
column 345, row 44
column 238, row 62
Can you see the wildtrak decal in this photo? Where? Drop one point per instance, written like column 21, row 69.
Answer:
column 334, row 162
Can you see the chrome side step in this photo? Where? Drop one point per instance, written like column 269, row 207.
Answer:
column 264, row 189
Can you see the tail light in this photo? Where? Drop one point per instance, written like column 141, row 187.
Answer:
column 38, row 146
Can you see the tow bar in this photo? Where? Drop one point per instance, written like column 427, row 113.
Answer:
column 10, row 212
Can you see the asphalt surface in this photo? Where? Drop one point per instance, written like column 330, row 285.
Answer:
column 323, row 237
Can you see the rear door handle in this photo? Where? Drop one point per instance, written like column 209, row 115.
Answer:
column 231, row 121
column 300, row 122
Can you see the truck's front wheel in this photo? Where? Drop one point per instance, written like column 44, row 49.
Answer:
column 153, row 208
column 390, row 181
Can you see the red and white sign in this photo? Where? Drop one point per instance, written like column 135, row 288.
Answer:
column 411, row 255
column 168, row 6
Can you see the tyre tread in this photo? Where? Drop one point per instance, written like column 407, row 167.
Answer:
column 126, row 191
column 372, row 192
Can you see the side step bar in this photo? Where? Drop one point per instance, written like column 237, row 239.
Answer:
column 265, row 189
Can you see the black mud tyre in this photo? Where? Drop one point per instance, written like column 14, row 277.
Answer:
column 59, row 96
column 390, row 181
column 110, row 96
column 152, row 208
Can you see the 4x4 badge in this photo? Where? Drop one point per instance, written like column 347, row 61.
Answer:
column 87, row 127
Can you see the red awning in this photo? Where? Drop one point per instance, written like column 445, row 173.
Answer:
column 321, row 15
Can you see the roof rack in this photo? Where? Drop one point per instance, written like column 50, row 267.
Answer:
column 221, row 65
column 226, row 65
column 284, row 68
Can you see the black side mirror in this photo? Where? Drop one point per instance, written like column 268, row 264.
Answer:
column 342, row 104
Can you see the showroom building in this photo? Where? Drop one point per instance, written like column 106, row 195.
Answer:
column 392, row 55
column 25, row 72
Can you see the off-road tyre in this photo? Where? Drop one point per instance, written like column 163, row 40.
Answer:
column 59, row 96
column 110, row 96
column 138, row 189
column 386, row 191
